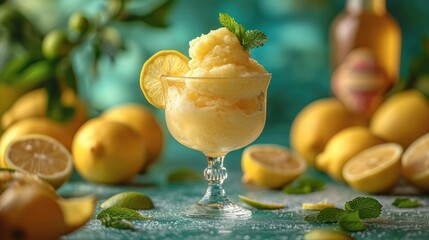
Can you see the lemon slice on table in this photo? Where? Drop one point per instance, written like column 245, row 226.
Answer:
column 317, row 206
column 415, row 163
column 375, row 169
column 165, row 62
column 270, row 165
column 260, row 205
column 41, row 155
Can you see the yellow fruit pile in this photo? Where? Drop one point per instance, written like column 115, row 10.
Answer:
column 366, row 153
column 110, row 149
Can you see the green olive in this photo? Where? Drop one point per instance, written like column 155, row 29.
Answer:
column 78, row 23
column 55, row 44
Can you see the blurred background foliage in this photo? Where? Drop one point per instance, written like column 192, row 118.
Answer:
column 97, row 47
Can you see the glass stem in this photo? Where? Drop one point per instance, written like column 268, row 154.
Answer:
column 215, row 174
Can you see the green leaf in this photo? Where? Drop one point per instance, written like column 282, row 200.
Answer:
column 351, row 222
column 230, row 24
column 248, row 39
column 254, row 39
column 156, row 18
column 119, row 217
column 120, row 224
column 312, row 218
column 367, row 207
column 406, row 203
column 304, row 185
column 330, row 215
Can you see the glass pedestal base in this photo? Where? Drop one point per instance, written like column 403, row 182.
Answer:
column 218, row 210
column 215, row 204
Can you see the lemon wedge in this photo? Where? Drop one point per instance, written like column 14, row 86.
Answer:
column 165, row 62
column 260, row 205
column 415, row 163
column 41, row 155
column 270, row 165
column 374, row 170
column 317, row 206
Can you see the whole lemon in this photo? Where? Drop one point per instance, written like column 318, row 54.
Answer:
column 402, row 118
column 30, row 212
column 28, row 126
column 317, row 123
column 144, row 122
column 107, row 152
column 33, row 104
column 342, row 147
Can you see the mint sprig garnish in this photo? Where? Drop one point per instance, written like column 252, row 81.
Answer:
column 406, row 203
column 351, row 218
column 120, row 217
column 304, row 185
column 248, row 38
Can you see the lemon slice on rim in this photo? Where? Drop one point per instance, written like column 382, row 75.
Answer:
column 317, row 206
column 415, row 163
column 375, row 169
column 165, row 62
column 270, row 165
column 41, row 155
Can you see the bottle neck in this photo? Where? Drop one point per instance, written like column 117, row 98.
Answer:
column 376, row 6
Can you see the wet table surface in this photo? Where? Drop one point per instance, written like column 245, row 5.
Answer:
column 287, row 223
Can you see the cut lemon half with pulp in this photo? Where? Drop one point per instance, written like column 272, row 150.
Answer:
column 167, row 63
column 270, row 165
column 415, row 163
column 374, row 170
column 41, row 155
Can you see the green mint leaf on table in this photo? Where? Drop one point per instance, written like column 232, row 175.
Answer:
column 330, row 215
column 248, row 38
column 120, row 217
column 406, row 203
column 367, row 207
column 351, row 218
column 304, row 185
column 351, row 222
column 312, row 218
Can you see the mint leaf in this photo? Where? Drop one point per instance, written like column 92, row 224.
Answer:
column 367, row 207
column 254, row 39
column 120, row 224
column 119, row 217
column 406, row 203
column 248, row 39
column 329, row 215
column 304, row 185
column 312, row 218
column 233, row 26
column 350, row 221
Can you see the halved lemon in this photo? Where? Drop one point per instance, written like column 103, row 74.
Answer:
column 41, row 155
column 375, row 169
column 270, row 165
column 415, row 163
column 165, row 62
column 318, row 206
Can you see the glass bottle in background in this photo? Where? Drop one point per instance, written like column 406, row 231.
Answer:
column 365, row 52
